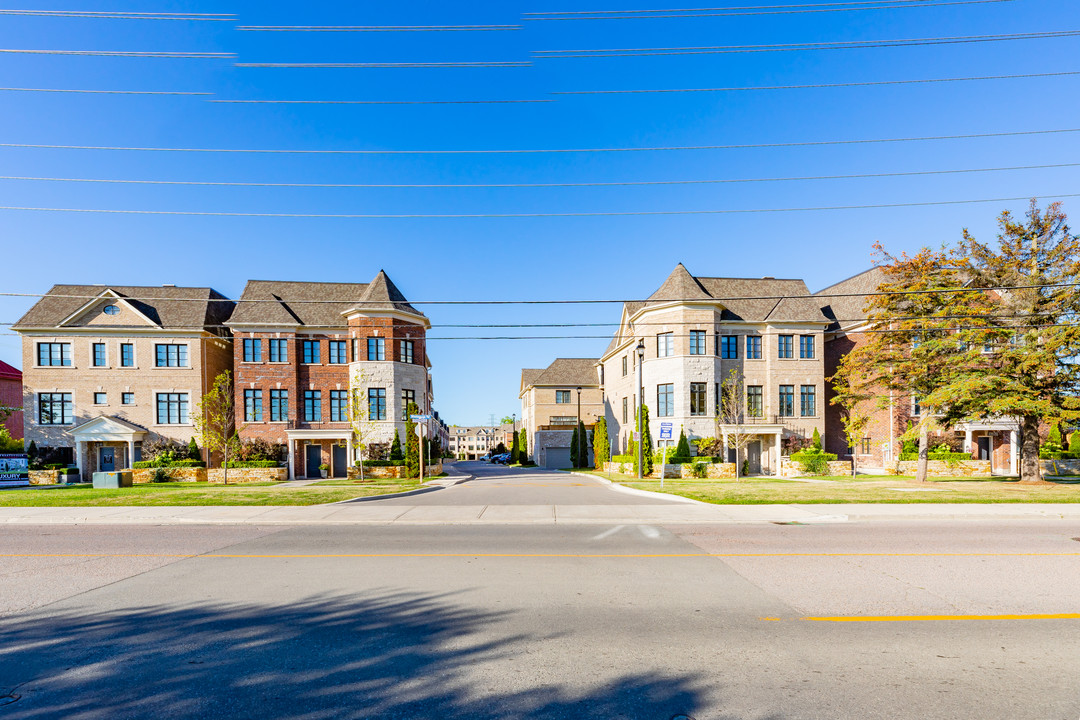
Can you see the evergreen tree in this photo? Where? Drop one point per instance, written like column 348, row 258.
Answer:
column 601, row 443
column 1074, row 442
column 396, row 456
column 193, row 450
column 583, row 445
column 575, row 447
column 1053, row 439
column 631, row 447
column 412, row 444
column 514, row 452
column 646, row 443
column 815, row 440
column 682, row 449
column 523, row 444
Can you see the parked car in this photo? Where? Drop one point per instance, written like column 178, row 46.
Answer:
column 503, row 459
column 485, row 458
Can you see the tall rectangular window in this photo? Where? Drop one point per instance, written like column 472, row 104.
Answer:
column 339, row 406
column 252, row 350
column 806, row 347
column 698, row 398
column 665, row 344
column 279, row 350
column 407, row 396
column 279, row 405
column 99, row 354
column 101, row 398
column 339, row 355
column 562, row 397
column 625, row 410
column 50, row 354
column 172, row 408
column 127, row 355
column 697, row 342
column 665, row 400
column 376, row 348
column 55, row 409
column 755, row 401
column 170, row 355
column 787, row 401
column 376, row 398
column 785, row 345
column 807, row 401
column 729, row 347
column 916, row 409
column 406, row 351
column 253, row 407
column 312, row 406
column 753, row 347
column 624, row 366
column 310, row 352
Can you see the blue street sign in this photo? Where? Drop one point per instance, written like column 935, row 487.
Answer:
column 665, row 433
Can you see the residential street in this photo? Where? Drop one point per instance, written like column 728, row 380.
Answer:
column 890, row 619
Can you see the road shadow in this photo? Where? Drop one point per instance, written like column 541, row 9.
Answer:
column 387, row 655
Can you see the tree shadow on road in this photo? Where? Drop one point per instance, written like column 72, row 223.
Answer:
column 385, row 655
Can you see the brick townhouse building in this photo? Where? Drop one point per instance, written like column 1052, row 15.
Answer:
column 694, row 331
column 553, row 399
column 307, row 353
column 11, row 399
column 106, row 368
column 994, row 439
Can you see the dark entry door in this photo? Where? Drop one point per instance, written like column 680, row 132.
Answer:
column 108, row 459
column 314, row 460
column 341, row 462
column 984, row 447
column 753, row 456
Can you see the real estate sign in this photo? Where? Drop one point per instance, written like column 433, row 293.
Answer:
column 14, row 470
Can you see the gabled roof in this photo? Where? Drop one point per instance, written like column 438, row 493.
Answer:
column 118, row 424
column 529, row 375
column 567, row 372
column 168, row 307
column 7, row 372
column 850, row 309
column 315, row 304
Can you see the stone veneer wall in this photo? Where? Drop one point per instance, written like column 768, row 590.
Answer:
column 215, row 475
column 713, row 471
column 1060, row 467
column 836, row 468
column 392, row 471
column 942, row 468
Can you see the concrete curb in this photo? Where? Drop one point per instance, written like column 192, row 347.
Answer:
column 432, row 486
column 640, row 493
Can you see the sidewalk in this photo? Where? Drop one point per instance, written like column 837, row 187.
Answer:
column 375, row 514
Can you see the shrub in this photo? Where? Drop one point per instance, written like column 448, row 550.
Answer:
column 251, row 464
column 745, row 467
column 809, row 453
column 709, row 446
column 575, row 447
column 259, row 449
column 193, row 450
column 814, row 463
column 937, row 455
column 700, row 469
column 9, row 444
column 396, row 456
column 815, row 440
column 161, row 475
column 56, row 466
column 159, row 463
column 623, row 459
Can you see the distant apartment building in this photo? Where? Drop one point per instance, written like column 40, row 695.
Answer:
column 697, row 332
column 106, row 368
column 11, row 399
column 311, row 357
column 553, row 400
column 474, row 442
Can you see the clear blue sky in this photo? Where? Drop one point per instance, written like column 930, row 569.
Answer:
column 514, row 258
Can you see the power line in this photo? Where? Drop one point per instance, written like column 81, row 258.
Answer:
column 109, row 15
column 126, row 53
column 446, row 64
column 747, row 11
column 618, row 183
column 538, row 151
column 871, row 83
column 376, row 28
column 788, row 47
column 380, row 102
column 102, row 92
column 462, row 216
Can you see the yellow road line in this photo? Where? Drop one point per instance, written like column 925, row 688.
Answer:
column 524, row 555
column 938, row 618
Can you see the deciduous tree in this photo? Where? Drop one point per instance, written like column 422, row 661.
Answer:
column 215, row 421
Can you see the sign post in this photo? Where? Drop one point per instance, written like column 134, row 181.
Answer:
column 665, row 434
column 421, row 423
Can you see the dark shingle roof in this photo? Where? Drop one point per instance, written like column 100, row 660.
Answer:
column 850, row 309
column 528, row 376
column 168, row 306
column 298, row 303
column 567, row 372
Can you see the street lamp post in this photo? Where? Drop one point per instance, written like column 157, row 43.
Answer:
column 513, row 428
column 641, row 403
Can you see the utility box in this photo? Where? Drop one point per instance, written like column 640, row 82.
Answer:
column 117, row 479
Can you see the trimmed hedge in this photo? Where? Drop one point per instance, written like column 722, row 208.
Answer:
column 1058, row 456
column 380, row 463
column 946, row 456
column 803, row 456
column 623, row 459
column 151, row 464
column 252, row 464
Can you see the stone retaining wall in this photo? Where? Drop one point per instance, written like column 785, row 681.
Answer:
column 392, row 471
column 46, row 477
column 178, row 474
column 248, row 475
column 836, row 468
column 947, row 468
column 713, row 471
column 1060, row 467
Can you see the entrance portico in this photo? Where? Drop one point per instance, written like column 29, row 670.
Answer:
column 118, row 438
column 765, row 435
column 998, row 440
column 299, row 440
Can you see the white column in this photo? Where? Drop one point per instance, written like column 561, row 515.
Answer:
column 291, row 459
column 779, row 437
column 80, row 458
column 967, row 440
column 131, row 454
column 1014, row 453
column 725, row 452
column 349, row 451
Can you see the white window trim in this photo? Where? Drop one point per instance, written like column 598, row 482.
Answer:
column 120, row 355
column 107, row 365
column 189, row 366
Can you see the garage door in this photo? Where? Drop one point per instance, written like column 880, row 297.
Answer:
column 557, row 458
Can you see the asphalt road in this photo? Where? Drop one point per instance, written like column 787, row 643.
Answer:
column 859, row 620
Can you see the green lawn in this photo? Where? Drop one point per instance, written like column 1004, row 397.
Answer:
column 200, row 494
column 864, row 489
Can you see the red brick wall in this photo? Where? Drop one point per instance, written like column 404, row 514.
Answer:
column 11, row 396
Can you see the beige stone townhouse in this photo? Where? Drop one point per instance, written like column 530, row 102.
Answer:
column 553, row 399
column 474, row 442
column 106, row 368
column 693, row 333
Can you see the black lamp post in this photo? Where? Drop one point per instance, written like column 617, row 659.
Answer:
column 579, row 404
column 641, row 403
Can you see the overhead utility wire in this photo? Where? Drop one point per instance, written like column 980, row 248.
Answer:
column 869, row 83
column 102, row 92
column 540, row 151
column 380, row 102
column 125, row 53
column 454, row 216
column 375, row 28
column 789, row 47
column 446, row 64
column 602, row 301
column 749, row 10
column 622, row 183
column 115, row 15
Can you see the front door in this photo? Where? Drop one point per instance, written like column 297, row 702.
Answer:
column 341, row 463
column 314, row 460
column 984, row 447
column 753, row 457
column 108, row 459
